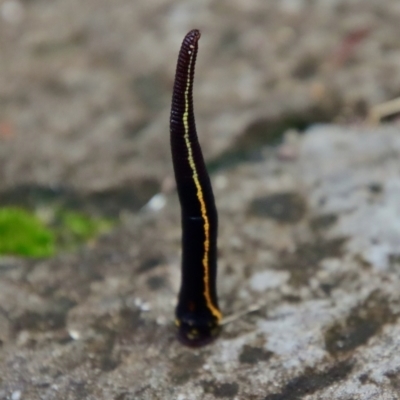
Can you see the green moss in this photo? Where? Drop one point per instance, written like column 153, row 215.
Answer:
column 75, row 228
column 22, row 233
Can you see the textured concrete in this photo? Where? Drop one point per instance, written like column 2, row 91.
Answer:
column 309, row 230
column 99, row 324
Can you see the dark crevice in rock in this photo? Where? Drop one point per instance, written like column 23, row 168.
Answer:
column 282, row 207
column 253, row 354
column 149, row 263
column 268, row 132
column 312, row 381
column 53, row 317
column 303, row 263
column 109, row 202
column 111, row 329
column 323, row 222
column 185, row 367
column 292, row 299
column 375, row 187
column 132, row 396
column 112, row 201
column 221, row 390
column 79, row 389
column 156, row 282
column 364, row 321
column 306, row 68
column 394, row 260
column 364, row 378
column 394, row 378
column 125, row 321
column 32, row 196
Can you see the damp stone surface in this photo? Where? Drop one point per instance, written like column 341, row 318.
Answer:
column 308, row 214
column 323, row 288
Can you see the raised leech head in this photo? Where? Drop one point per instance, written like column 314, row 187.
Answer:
column 197, row 313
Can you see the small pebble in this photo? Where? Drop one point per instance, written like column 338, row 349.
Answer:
column 156, row 203
column 145, row 307
column 16, row 395
column 138, row 302
column 75, row 335
column 161, row 320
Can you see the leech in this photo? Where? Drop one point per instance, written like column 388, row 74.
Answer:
column 197, row 314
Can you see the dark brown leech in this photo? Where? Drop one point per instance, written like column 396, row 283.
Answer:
column 197, row 312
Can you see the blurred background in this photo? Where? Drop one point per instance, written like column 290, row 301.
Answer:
column 85, row 91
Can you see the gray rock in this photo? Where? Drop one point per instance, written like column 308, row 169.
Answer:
column 322, row 287
column 309, row 235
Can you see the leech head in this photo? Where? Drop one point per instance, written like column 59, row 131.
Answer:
column 194, row 35
column 190, row 41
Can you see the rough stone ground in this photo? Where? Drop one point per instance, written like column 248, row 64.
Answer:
column 309, row 231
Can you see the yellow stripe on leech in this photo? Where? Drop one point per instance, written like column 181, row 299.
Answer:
column 200, row 196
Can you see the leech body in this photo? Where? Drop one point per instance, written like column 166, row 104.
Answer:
column 197, row 314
